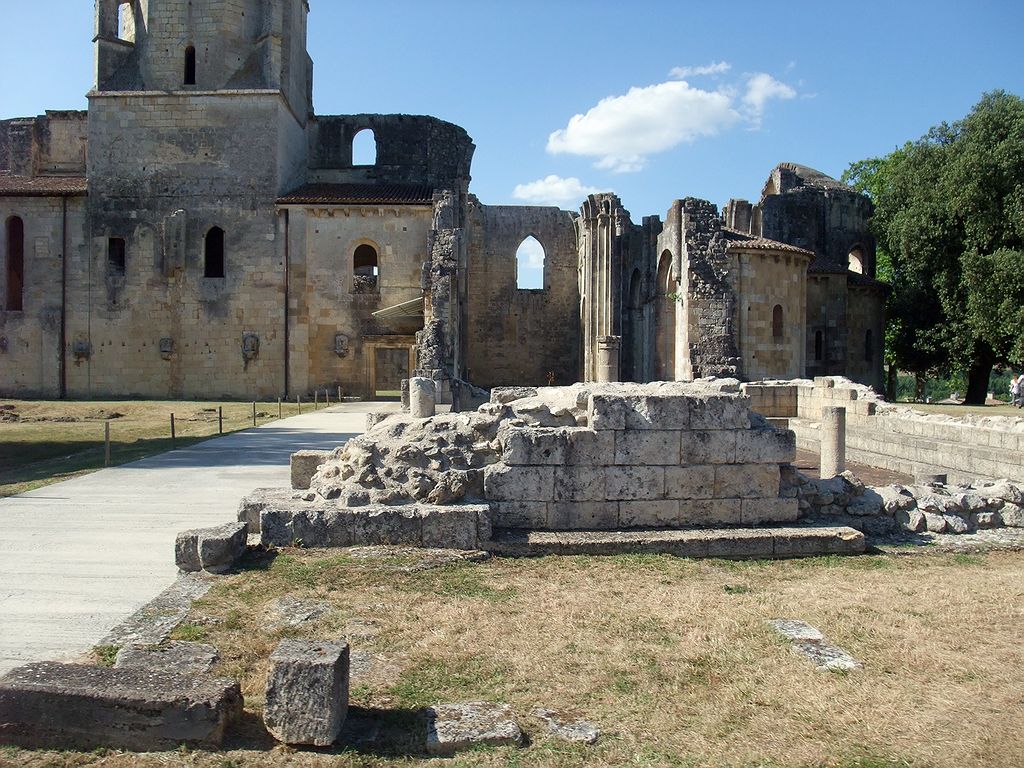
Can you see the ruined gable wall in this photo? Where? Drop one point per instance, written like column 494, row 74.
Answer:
column 517, row 336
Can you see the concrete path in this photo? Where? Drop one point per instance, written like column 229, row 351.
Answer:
column 78, row 557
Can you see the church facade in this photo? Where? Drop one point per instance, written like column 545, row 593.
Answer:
column 200, row 232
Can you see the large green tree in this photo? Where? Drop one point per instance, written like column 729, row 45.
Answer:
column 949, row 219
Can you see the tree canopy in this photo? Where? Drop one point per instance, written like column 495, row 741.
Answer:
column 949, row 220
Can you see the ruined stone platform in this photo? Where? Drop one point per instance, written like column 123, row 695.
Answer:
column 725, row 543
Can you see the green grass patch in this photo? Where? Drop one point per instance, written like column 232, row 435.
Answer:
column 105, row 655
column 189, row 632
column 458, row 678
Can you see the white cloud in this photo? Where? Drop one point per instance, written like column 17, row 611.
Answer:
column 554, row 190
column 621, row 132
column 762, row 88
column 714, row 68
column 531, row 254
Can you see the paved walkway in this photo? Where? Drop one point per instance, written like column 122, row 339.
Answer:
column 78, row 557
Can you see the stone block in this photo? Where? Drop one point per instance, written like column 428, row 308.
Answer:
column 657, row 412
column 422, row 397
column 174, row 657
column 452, row 728
column 315, row 527
column 1012, row 515
column 697, row 482
column 719, row 412
column 211, row 549
column 534, row 446
column 304, row 465
column 605, row 412
column 634, row 483
column 567, row 727
column 663, row 513
column 583, row 515
column 760, row 511
column 451, row 527
column 503, row 483
column 253, row 504
column 71, row 706
column 716, row 446
column 519, row 514
column 710, row 512
column 741, row 545
column 587, row 447
column 649, row 447
column 579, row 483
column 934, row 523
column 380, row 525
column 747, row 481
column 765, row 446
column 307, row 692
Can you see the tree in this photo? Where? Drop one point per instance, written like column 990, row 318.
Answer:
column 949, row 220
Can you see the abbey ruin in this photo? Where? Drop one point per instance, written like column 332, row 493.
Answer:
column 201, row 232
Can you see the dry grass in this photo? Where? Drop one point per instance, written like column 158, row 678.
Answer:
column 56, row 440
column 672, row 658
column 948, row 409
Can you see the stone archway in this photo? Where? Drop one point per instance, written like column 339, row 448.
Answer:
column 665, row 322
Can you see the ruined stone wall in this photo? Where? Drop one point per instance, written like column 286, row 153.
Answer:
column 326, row 301
column 826, row 315
column 865, row 313
column 53, row 144
column 30, row 348
column 516, row 336
column 767, row 281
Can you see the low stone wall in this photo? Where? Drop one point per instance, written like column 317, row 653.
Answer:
column 969, row 449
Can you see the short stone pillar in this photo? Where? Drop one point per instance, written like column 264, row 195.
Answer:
column 422, row 398
column 608, row 348
column 833, row 441
column 307, row 692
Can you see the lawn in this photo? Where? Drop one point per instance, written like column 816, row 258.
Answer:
column 43, row 442
column 671, row 658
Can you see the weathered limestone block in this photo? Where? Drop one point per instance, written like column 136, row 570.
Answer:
column 663, row 513
column 567, row 727
column 719, row 412
column 896, row 499
column 694, row 482
column 1004, row 490
column 579, row 484
column 716, row 446
column 211, row 549
column 867, row 504
column 304, row 465
column 452, row 527
column 633, row 483
column 380, row 525
column 760, row 511
column 605, row 412
column 455, row 727
column 765, row 446
column 253, row 504
column 1012, row 515
column 583, row 515
column 710, row 512
column 307, row 692
column 738, row 481
column 955, row 524
column 422, row 398
column 70, row 706
column 503, row 395
column 934, row 523
column 519, row 514
column 589, row 448
column 657, row 412
column 911, row 519
column 650, row 447
column 534, row 446
column 502, row 483
column 173, row 657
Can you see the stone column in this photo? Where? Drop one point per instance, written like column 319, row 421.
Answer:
column 608, row 349
column 422, row 398
column 833, row 441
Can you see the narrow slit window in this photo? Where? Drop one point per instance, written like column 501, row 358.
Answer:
column 364, row 148
column 190, row 65
column 15, row 264
column 214, row 253
column 819, row 345
column 530, row 258
column 117, row 252
column 365, row 274
column 869, row 347
column 777, row 329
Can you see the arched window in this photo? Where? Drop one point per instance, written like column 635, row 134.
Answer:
column 855, row 261
column 364, row 148
column 819, row 345
column 213, row 261
column 530, row 258
column 777, row 330
column 15, row 264
column 365, row 269
column 869, row 347
column 117, row 256
column 190, row 65
column 635, row 290
column 665, row 321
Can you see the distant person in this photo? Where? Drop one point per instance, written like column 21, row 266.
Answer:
column 1017, row 391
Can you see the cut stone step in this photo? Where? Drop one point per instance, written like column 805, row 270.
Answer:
column 727, row 543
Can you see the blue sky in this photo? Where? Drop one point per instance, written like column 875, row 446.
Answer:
column 673, row 98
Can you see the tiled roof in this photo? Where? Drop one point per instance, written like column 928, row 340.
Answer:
column 743, row 240
column 42, row 186
column 855, row 278
column 360, row 194
column 825, row 267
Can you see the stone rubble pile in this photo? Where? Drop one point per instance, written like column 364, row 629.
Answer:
column 936, row 508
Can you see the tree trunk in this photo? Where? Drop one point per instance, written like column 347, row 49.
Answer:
column 979, row 373
column 890, row 384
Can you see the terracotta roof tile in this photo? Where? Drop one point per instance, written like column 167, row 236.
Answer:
column 743, row 240
column 360, row 194
column 42, row 186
